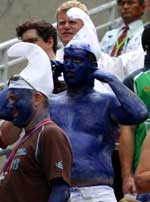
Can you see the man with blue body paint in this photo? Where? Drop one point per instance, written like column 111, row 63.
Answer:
column 91, row 121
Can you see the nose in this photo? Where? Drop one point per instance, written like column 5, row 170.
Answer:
column 66, row 25
column 69, row 62
column 125, row 5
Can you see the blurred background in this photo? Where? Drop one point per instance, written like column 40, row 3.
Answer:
column 14, row 12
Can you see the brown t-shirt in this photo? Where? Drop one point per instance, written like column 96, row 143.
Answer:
column 43, row 157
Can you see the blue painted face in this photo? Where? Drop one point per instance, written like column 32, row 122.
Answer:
column 20, row 106
column 77, row 66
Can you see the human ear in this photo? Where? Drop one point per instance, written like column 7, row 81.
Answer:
column 51, row 41
column 37, row 99
column 94, row 65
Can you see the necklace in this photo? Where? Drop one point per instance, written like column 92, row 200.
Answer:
column 7, row 165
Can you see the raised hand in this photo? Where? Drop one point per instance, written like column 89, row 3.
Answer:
column 103, row 76
column 128, row 185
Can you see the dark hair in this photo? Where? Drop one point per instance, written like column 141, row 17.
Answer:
column 93, row 61
column 140, row 1
column 92, row 57
column 146, row 38
column 44, row 29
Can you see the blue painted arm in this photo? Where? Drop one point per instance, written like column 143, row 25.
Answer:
column 133, row 110
column 60, row 191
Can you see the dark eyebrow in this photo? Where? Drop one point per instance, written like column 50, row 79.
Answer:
column 31, row 40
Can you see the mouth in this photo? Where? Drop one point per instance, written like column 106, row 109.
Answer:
column 14, row 114
column 67, row 34
column 69, row 74
column 125, row 13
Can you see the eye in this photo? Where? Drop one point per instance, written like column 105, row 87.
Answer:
column 66, row 59
column 77, row 60
column 122, row 3
column 61, row 23
column 12, row 99
column 72, row 22
column 31, row 40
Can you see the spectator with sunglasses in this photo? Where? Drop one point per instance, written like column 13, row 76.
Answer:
column 39, row 166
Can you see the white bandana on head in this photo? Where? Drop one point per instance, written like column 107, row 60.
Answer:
column 38, row 72
column 87, row 34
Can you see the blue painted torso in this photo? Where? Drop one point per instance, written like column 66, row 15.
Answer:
column 87, row 122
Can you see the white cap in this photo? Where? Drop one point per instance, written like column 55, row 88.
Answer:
column 38, row 72
column 87, row 34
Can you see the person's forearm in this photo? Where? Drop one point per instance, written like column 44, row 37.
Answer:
column 132, row 110
column 130, row 102
column 126, row 150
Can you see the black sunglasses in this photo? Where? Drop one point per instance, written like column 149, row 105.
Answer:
column 18, row 77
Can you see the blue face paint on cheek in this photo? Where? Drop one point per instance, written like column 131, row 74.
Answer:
column 5, row 113
column 20, row 105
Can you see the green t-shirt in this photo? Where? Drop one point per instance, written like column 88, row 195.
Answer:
column 139, row 82
column 142, row 89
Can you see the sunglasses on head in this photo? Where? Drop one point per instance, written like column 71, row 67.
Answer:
column 18, row 77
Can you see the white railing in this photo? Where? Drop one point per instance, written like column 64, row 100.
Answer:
column 112, row 20
column 5, row 63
